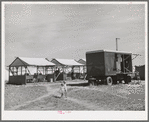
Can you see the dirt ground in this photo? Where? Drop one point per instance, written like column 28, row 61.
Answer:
column 80, row 97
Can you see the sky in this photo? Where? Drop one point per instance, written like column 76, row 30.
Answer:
column 68, row 31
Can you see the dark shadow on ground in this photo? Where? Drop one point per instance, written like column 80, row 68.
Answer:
column 55, row 96
column 78, row 84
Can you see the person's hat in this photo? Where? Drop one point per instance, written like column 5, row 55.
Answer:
column 64, row 81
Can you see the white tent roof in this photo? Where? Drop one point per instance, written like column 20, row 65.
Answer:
column 37, row 61
column 31, row 62
column 83, row 59
column 68, row 62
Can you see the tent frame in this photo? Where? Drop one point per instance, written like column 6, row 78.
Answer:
column 26, row 77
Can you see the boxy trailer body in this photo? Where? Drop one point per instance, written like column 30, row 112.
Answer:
column 104, row 66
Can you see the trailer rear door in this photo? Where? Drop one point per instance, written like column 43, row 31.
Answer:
column 95, row 64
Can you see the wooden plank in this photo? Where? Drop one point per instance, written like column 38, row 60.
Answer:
column 43, row 71
column 37, row 69
column 17, row 70
column 25, row 70
column 13, row 70
column 9, row 71
column 21, row 70
column 123, row 64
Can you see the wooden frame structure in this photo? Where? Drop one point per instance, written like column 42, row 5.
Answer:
column 63, row 65
column 83, row 61
column 19, row 72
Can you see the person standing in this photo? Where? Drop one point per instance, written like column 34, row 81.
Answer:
column 63, row 89
column 72, row 75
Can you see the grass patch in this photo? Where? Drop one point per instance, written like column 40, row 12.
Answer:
column 18, row 94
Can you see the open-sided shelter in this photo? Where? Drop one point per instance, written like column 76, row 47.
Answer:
column 83, row 61
column 83, row 68
column 23, row 69
column 66, row 67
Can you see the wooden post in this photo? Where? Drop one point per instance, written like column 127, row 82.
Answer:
column 25, row 70
column 9, row 71
column 21, row 70
column 43, row 70
column 25, row 75
column 37, row 69
column 16, row 70
column 13, row 70
column 79, row 69
column 52, row 69
column 123, row 63
column 83, row 69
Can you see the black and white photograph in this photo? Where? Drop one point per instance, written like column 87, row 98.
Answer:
column 74, row 60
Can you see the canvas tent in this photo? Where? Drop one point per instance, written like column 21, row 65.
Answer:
column 82, row 61
column 65, row 62
column 83, row 68
column 23, row 69
column 67, row 66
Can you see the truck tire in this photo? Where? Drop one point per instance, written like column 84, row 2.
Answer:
column 127, row 79
column 92, row 81
column 89, row 82
column 109, row 81
column 114, row 80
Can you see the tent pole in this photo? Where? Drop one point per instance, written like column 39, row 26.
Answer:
column 17, row 70
column 123, row 64
column 25, row 70
column 9, row 71
column 13, row 71
column 83, row 69
column 79, row 69
column 52, row 69
column 37, row 69
column 21, row 70
column 43, row 70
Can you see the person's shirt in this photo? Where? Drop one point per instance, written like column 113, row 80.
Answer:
column 62, row 88
column 65, row 87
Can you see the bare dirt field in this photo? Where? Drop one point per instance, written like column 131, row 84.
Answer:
column 81, row 97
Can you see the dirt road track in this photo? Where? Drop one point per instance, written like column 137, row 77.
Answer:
column 50, row 92
column 52, row 101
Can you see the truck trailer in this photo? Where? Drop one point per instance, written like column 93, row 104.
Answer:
column 108, row 67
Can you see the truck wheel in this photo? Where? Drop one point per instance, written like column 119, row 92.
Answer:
column 114, row 80
column 92, row 81
column 127, row 79
column 89, row 82
column 109, row 81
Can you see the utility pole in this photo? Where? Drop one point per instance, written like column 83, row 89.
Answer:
column 117, row 44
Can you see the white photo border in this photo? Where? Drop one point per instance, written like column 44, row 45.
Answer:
column 74, row 115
